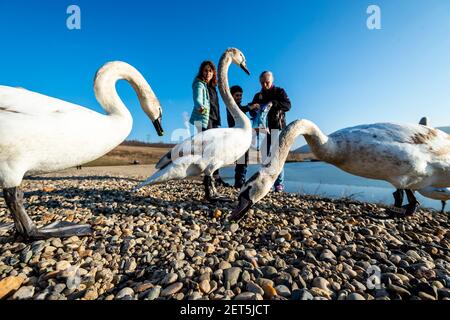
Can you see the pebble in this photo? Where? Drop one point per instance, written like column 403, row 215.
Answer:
column 62, row 265
column 355, row 296
column 269, row 271
column 253, row 287
column 153, row 293
column 195, row 296
column 269, row 290
column 172, row 289
column 223, row 265
column 401, row 291
column 283, row 291
column 9, row 285
column 311, row 249
column 302, row 294
column 169, row 279
column 125, row 292
column 246, row 296
column 426, row 296
column 205, row 286
column 321, row 283
column 327, row 255
column 24, row 293
column 231, row 276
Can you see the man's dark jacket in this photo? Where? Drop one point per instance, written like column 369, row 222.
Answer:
column 230, row 119
column 280, row 104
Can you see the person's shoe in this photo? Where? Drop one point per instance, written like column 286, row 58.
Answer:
column 220, row 181
column 279, row 188
column 238, row 184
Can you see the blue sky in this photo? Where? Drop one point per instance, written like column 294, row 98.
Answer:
column 337, row 72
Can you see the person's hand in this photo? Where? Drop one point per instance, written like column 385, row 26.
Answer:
column 255, row 106
column 202, row 110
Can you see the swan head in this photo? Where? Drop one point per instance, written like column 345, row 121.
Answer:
column 238, row 58
column 105, row 90
column 256, row 188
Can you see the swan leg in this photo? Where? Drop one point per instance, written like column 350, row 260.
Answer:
column 413, row 204
column 26, row 228
column 399, row 211
column 398, row 198
column 210, row 191
column 14, row 202
column 443, row 206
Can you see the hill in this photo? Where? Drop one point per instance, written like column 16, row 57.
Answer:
column 132, row 152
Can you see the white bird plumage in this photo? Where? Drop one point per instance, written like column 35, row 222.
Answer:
column 213, row 149
column 442, row 194
column 40, row 134
column 408, row 156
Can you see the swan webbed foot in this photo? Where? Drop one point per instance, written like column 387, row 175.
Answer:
column 61, row 229
column 211, row 194
column 398, row 211
column 218, row 198
column 403, row 212
column 28, row 230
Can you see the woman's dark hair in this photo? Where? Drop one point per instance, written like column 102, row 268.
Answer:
column 209, row 63
column 235, row 89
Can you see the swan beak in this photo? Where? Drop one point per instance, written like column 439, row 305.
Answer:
column 158, row 127
column 244, row 67
column 243, row 207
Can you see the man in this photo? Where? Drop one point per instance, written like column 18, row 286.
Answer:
column 241, row 166
column 276, row 118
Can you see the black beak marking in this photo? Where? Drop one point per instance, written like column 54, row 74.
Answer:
column 158, row 127
column 243, row 67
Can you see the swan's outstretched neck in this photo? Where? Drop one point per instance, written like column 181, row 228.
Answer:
column 105, row 88
column 313, row 135
column 239, row 117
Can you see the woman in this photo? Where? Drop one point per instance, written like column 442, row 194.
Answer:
column 206, row 110
column 206, row 105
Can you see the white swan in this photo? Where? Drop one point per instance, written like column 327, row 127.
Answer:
column 212, row 149
column 40, row 134
column 442, row 194
column 408, row 156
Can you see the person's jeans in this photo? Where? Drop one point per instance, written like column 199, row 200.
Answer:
column 280, row 179
column 241, row 171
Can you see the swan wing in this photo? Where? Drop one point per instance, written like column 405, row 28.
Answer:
column 22, row 102
column 214, row 145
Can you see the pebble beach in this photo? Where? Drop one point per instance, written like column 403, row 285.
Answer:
column 166, row 243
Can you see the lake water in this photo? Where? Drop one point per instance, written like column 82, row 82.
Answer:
column 319, row 178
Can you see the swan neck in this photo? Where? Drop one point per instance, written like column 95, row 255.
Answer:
column 313, row 135
column 106, row 93
column 239, row 117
